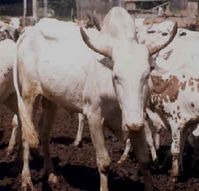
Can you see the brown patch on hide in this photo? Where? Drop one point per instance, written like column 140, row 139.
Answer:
column 166, row 89
column 178, row 115
column 193, row 83
column 156, row 105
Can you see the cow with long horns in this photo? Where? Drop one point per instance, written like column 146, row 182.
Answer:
column 77, row 78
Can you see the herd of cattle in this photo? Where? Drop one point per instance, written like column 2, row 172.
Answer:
column 134, row 78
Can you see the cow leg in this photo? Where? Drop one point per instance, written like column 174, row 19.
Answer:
column 175, row 151
column 12, row 140
column 184, row 136
column 102, row 157
column 149, row 140
column 45, row 124
column 78, row 138
column 26, row 176
column 28, row 103
column 126, row 151
column 138, row 140
column 11, row 103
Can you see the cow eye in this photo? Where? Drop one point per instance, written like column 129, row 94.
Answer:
column 116, row 78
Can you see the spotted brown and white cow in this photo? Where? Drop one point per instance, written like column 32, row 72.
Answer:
column 174, row 91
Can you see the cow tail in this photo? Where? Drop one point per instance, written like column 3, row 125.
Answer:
column 29, row 133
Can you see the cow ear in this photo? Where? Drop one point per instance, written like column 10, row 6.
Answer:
column 152, row 67
column 107, row 63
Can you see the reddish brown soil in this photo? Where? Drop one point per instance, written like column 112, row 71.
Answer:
column 76, row 167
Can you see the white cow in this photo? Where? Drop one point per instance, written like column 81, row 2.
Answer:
column 8, row 54
column 145, row 34
column 75, row 78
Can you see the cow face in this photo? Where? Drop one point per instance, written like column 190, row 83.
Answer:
column 129, row 76
column 117, row 41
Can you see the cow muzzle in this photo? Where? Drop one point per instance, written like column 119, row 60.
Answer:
column 134, row 126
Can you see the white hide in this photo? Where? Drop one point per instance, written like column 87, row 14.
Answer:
column 8, row 52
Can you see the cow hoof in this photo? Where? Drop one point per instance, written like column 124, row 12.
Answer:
column 156, row 162
column 172, row 183
column 174, row 180
column 77, row 143
column 52, row 179
column 9, row 152
column 27, row 183
column 174, row 176
column 122, row 159
column 155, row 165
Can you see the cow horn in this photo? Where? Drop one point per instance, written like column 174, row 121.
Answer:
column 95, row 45
column 155, row 49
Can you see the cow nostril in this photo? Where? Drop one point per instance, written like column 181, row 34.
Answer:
column 164, row 34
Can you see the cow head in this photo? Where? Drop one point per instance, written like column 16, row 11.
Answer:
column 130, row 69
column 10, row 30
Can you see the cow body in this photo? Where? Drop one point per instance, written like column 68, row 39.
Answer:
column 76, row 78
column 174, row 92
column 71, row 77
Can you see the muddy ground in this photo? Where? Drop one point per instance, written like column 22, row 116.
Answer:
column 76, row 167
